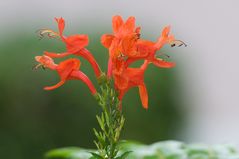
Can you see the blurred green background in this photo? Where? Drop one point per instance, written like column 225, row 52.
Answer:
column 33, row 121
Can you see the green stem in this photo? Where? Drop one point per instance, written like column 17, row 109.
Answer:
column 111, row 122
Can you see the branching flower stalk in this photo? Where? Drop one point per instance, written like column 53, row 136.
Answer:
column 111, row 122
column 125, row 47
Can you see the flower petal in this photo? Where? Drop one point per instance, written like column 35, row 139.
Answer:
column 163, row 64
column 166, row 31
column 143, row 95
column 48, row 88
column 117, row 22
column 106, row 40
column 65, row 68
column 61, row 25
column 130, row 24
column 121, row 82
column 75, row 43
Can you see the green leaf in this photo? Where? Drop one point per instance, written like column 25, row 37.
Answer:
column 124, row 155
column 96, row 155
column 68, row 153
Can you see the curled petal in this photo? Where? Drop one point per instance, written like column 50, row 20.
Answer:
column 61, row 25
column 163, row 64
column 55, row 86
column 117, row 22
column 81, row 76
column 106, row 40
column 143, row 95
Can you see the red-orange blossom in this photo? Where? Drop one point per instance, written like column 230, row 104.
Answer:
column 125, row 47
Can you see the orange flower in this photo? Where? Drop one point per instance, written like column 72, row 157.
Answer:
column 132, row 77
column 122, row 42
column 147, row 49
column 75, row 44
column 67, row 70
column 126, row 47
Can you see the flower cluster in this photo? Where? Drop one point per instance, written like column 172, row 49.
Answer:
column 125, row 47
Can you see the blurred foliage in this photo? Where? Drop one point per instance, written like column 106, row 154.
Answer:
column 159, row 150
column 33, row 121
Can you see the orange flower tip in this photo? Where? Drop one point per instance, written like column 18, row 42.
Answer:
column 117, row 22
column 47, row 89
column 37, row 58
column 166, row 31
column 59, row 19
column 43, row 59
column 40, row 59
column 162, row 63
column 46, row 61
column 145, row 107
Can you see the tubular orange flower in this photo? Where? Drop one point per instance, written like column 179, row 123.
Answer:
column 75, row 44
column 147, row 49
column 126, row 47
column 122, row 42
column 67, row 70
column 132, row 77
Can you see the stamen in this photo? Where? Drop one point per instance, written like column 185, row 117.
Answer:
column 47, row 32
column 36, row 66
column 162, row 54
column 178, row 43
column 122, row 56
column 138, row 36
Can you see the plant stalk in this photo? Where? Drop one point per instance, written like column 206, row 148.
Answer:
column 111, row 122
